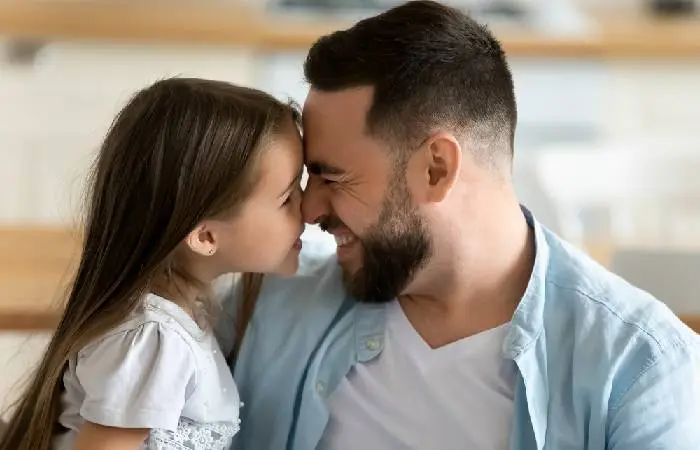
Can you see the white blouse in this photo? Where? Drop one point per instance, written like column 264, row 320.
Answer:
column 159, row 371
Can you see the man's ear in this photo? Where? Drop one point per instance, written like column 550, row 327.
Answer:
column 435, row 167
column 201, row 240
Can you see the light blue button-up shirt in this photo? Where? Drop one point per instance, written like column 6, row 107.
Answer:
column 601, row 364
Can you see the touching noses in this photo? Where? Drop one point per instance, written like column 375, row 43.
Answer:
column 314, row 205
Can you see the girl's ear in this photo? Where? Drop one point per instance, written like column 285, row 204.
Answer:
column 201, row 240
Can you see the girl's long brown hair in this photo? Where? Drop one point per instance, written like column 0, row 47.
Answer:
column 180, row 151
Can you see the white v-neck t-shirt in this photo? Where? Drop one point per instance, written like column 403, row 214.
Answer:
column 459, row 396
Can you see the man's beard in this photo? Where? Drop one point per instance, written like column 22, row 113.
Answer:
column 394, row 249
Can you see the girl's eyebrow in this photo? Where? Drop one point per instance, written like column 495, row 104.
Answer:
column 293, row 183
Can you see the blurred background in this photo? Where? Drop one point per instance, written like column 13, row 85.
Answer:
column 607, row 150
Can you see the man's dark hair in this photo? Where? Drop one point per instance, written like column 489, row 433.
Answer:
column 432, row 67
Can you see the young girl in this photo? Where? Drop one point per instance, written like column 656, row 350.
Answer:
column 195, row 179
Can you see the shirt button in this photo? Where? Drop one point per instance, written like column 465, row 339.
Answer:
column 223, row 390
column 241, row 404
column 213, row 352
column 320, row 387
column 372, row 344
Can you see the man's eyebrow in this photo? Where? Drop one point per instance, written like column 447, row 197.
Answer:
column 321, row 168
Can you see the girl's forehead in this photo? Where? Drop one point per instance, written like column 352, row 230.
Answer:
column 281, row 164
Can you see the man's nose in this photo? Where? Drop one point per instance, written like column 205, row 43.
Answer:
column 314, row 203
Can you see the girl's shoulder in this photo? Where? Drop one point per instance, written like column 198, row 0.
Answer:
column 158, row 322
column 140, row 374
column 152, row 369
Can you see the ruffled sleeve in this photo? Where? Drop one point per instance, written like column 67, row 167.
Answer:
column 139, row 378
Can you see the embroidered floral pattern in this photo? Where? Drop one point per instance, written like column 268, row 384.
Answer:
column 193, row 436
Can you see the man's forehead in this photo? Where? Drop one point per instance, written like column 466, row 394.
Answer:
column 335, row 134
column 344, row 110
column 335, row 119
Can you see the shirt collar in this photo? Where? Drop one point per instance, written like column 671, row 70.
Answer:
column 527, row 322
column 370, row 323
column 522, row 344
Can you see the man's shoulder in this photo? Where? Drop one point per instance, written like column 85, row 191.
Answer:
column 607, row 324
column 609, row 348
column 584, row 288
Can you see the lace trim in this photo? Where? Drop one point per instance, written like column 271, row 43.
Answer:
column 190, row 435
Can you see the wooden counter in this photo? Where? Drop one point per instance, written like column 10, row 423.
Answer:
column 626, row 36
column 36, row 265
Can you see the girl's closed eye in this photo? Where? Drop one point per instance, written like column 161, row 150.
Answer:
column 292, row 196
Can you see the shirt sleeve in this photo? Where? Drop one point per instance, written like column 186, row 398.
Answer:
column 661, row 410
column 140, row 378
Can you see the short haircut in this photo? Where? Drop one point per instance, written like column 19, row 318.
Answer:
column 432, row 67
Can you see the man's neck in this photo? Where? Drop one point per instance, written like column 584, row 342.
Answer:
column 475, row 280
